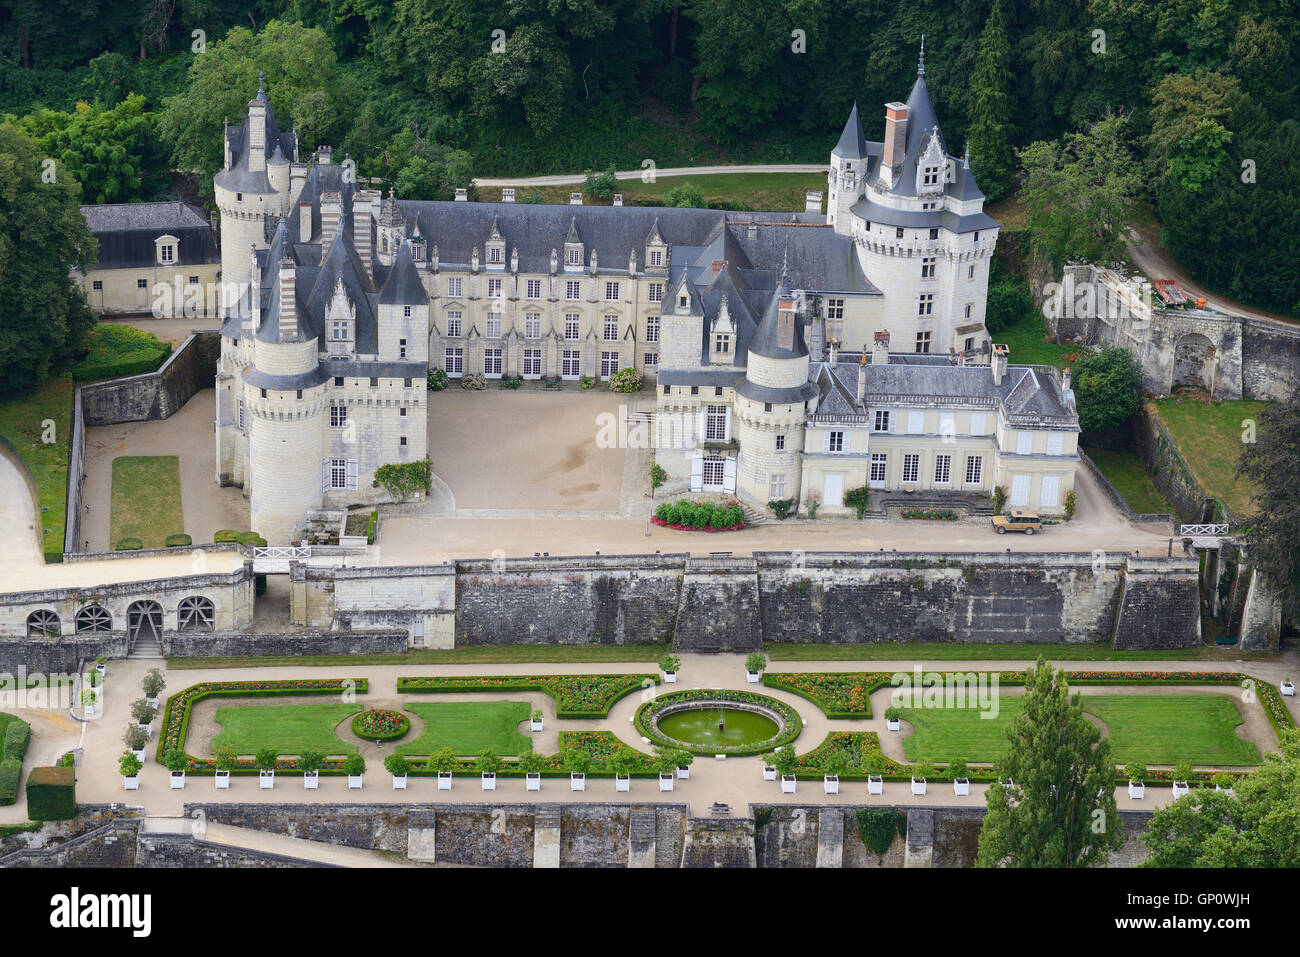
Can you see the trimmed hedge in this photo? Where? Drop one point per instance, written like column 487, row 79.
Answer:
column 51, row 794
column 117, row 351
column 575, row 696
column 838, row 694
column 251, row 540
column 225, row 536
column 18, row 733
column 128, row 545
column 11, row 773
column 645, row 726
column 178, row 541
column 403, row 725
column 600, row 745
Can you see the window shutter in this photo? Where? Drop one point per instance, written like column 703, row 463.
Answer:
column 1054, row 443
column 726, row 437
column 977, row 423
column 697, row 473
column 894, row 421
column 915, row 423
column 699, row 427
column 325, row 476
column 729, row 475
column 826, row 441
column 352, row 474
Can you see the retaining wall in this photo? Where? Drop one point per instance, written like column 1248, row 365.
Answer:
column 157, row 394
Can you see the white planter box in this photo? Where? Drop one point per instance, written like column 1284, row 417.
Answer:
column 89, row 710
column 151, row 702
column 311, row 780
column 177, row 780
column 535, row 725
column 670, row 677
column 1227, row 791
column 894, row 725
column 918, row 786
column 961, row 787
column 354, row 781
column 1181, row 788
column 1010, row 783
column 265, row 780
column 139, row 755
column 787, row 784
column 683, row 774
column 222, row 779
column 875, row 784
column 102, row 669
column 489, row 782
column 831, row 784
column 444, row 780
column 769, row 773
column 577, row 782
column 665, row 782
column 753, row 678
column 131, row 784
column 622, row 783
column 1288, row 688
column 532, row 782
column 399, row 784
column 1136, row 790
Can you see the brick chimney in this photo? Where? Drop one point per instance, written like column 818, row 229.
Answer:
column 891, row 160
column 363, row 228
column 862, row 376
column 288, row 302
column 331, row 214
column 999, row 364
column 880, row 350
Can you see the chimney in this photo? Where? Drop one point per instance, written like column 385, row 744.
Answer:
column 363, row 229
column 507, row 194
column 785, row 319
column 618, row 199
column 880, row 350
column 575, row 199
column 812, row 201
column 288, row 302
column 895, row 138
column 1065, row 381
column 718, row 266
column 213, row 224
column 462, row 196
column 324, row 155
column 257, row 135
column 304, row 222
column 999, row 365
column 751, row 231
column 835, row 351
column 862, row 377
column 331, row 214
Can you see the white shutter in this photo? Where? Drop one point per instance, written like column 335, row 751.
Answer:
column 699, row 427
column 1024, row 443
column 894, row 418
column 1050, row 492
column 729, row 475
column 826, row 441
column 726, row 434
column 325, row 476
column 947, row 425
column 915, row 423
column 1019, row 491
column 1054, row 442
column 697, row 473
column 352, row 474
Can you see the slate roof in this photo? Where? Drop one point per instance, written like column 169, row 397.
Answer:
column 852, row 143
column 126, row 233
column 402, row 286
column 239, row 177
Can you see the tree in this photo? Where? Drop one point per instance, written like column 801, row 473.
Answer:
column 992, row 106
column 1272, row 531
column 688, row 195
column 1079, row 192
column 401, row 480
column 1060, row 812
column 1108, row 386
column 1187, row 139
column 1256, row 826
column 43, row 238
column 601, row 185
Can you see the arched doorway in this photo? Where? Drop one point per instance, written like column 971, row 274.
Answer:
column 1195, row 363
column 144, row 621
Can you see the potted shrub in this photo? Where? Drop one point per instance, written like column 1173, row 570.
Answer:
column 1136, row 774
column 153, row 684
column 1222, row 782
column 266, row 760
column 1182, row 780
column 669, row 664
column 683, row 761
column 354, row 767
column 769, row 766
column 444, row 761
column 578, row 762
column 489, row 763
column 1288, row 688
column 874, row 765
column 957, row 773
column 921, row 771
column 130, row 767
column 225, row 760
column 101, row 665
column 531, row 763
column 88, row 698
column 399, row 768
column 893, row 719
column 310, row 763
column 177, row 762
column 785, row 764
column 620, row 762
column 835, row 765
column 535, row 720
column 665, row 762
column 755, row 662
column 144, row 713
column 135, row 740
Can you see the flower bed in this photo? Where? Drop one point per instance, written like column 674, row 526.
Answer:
column 576, row 696
column 688, row 516
column 645, row 724
column 930, row 514
column 600, row 745
column 176, row 716
column 380, row 724
column 839, row 695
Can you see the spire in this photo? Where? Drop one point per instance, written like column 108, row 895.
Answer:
column 920, row 66
column 785, row 262
column 853, row 143
column 966, row 161
column 261, row 82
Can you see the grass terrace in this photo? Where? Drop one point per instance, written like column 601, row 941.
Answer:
column 1209, row 436
column 468, row 727
column 117, row 350
column 1124, row 471
column 287, row 728
column 146, row 501
column 472, row 655
column 23, row 429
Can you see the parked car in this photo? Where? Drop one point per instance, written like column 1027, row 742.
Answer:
column 1018, row 520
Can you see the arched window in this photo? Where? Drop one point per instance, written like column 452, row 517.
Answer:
column 94, row 619
column 43, row 623
column 144, row 619
column 194, row 614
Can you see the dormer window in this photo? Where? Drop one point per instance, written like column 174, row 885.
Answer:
column 495, row 255
column 683, row 302
column 167, row 247
column 655, row 258
column 340, row 330
column 573, row 256
column 930, row 176
column 722, row 344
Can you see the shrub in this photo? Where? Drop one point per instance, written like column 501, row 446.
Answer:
column 577, row 761
column 785, row 761
column 957, row 768
column 380, row 725
column 129, row 765
column 601, row 185
column 878, row 825
column 1071, row 503
column 51, row 794
column 587, row 382
column 755, row 662
column 153, row 683
column 625, row 380
column 874, row 764
column 18, row 734
column 444, row 759
column 530, row 762
column 401, row 480
column 693, row 516
column 688, row 194
column 856, row 499
column 621, row 762
column 266, row 759
column 923, row 770
column 814, row 506
column 534, row 198
column 224, row 536
column 473, row 382
column 134, row 737
column 178, row 540
column 488, row 761
column 354, row 766
column 310, row 761
column 143, row 711
column 397, row 766
column 66, row 760
column 893, row 714
column 251, row 540
column 511, row 382
column 128, row 545
column 836, row 763
column 225, row 758
column 670, row 663
column 999, row 499
column 176, row 760
column 1222, row 780
column 769, row 759
column 437, row 380
column 11, row 772
column 657, row 476
column 781, row 507
column 1135, row 772
column 1183, row 772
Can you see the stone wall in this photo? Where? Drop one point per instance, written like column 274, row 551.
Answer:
column 233, row 644
column 1158, row 608
column 60, row 656
column 1169, row 471
column 76, row 468
column 158, row 394
column 184, row 851
column 1270, row 360
column 371, row 827
column 110, row 845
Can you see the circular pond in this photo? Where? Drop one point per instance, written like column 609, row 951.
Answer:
column 718, row 722
column 718, row 727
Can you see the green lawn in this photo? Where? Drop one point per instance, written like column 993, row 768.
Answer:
column 25, row 422
column 1028, row 345
column 1209, row 435
column 469, row 727
column 776, row 192
column 146, row 499
column 955, row 651
column 289, row 728
column 942, row 734
column 1124, row 471
column 114, row 351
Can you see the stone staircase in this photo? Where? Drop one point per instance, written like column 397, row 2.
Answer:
column 145, row 646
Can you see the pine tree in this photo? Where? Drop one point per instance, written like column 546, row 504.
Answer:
column 991, row 106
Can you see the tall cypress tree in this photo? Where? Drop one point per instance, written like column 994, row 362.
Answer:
column 991, row 106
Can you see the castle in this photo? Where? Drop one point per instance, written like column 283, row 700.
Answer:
column 347, row 298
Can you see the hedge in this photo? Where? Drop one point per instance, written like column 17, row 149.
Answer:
column 178, row 541
column 11, row 772
column 17, row 735
column 645, row 726
column 689, row 516
column 600, row 745
column 575, row 696
column 251, row 539
column 117, row 351
column 224, row 536
column 128, row 545
column 51, row 794
column 838, row 694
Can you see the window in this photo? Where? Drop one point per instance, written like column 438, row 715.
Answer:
column 571, row 325
column 338, row 381
column 494, row 254
column 947, row 426
column 715, row 471
column 923, row 342
column 167, row 254
column 455, row 362
column 834, row 442
column 934, row 233
column 970, row 344
column 611, row 329
column 656, row 292
column 942, row 469
column 977, row 235
column 95, row 619
column 339, row 330
column 776, row 485
column 608, row 364
column 402, row 441
column 722, row 343
column 879, row 460
column 493, row 325
column 882, row 420
column 834, row 308
column 374, row 383
column 968, row 310
column 194, row 281
column 927, row 267
column 98, row 284
column 911, row 466
column 338, row 473
column 1055, row 440
column 572, row 290
column 683, row 301
column 780, row 443
column 453, row 324
column 715, row 423
column 402, row 411
column 695, row 390
column 573, row 256
column 930, row 176
column 652, row 358
column 534, row 289
column 241, row 416
column 453, row 287
column 338, row 416
column 1024, row 443
column 139, row 284
column 494, row 288
column 401, row 349
column 652, row 329
column 532, row 363
column 656, row 259
column 43, row 623
column 970, row 272
column 767, row 406
column 977, row 423
column 611, row 292
column 570, row 364
column 915, row 423
column 717, row 390
column 406, row 312
column 925, row 306
column 974, row 470
column 492, row 362
column 898, row 233
column 194, row 613
column 533, row 325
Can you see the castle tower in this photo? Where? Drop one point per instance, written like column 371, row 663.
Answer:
column 848, row 166
column 390, row 231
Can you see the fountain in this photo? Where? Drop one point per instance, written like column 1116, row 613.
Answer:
column 718, row 721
